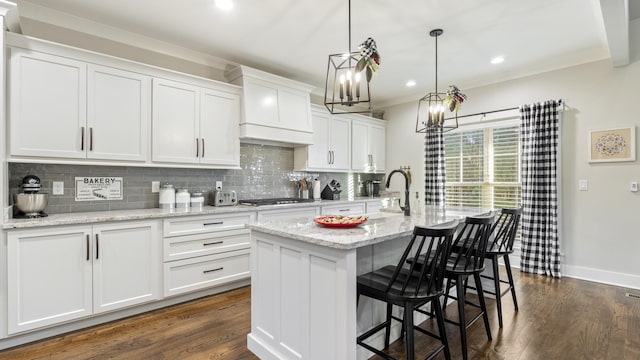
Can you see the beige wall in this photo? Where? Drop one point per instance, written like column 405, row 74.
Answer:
column 600, row 227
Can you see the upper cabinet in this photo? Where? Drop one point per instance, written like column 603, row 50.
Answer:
column 368, row 145
column 331, row 147
column 63, row 108
column 274, row 109
column 195, row 125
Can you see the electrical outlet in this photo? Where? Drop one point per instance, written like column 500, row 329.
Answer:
column 583, row 185
column 58, row 188
column 218, row 185
column 155, row 186
column 634, row 186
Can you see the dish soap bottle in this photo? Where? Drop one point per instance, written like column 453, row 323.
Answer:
column 416, row 207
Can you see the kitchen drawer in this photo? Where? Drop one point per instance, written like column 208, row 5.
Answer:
column 278, row 214
column 189, row 225
column 206, row 271
column 352, row 208
column 183, row 247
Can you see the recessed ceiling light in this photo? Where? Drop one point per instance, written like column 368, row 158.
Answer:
column 411, row 83
column 497, row 60
column 225, row 5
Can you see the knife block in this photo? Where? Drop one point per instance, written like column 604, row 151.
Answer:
column 329, row 193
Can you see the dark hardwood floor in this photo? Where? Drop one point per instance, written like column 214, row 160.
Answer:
column 558, row 319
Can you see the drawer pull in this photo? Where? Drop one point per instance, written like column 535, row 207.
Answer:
column 213, row 243
column 212, row 270
column 214, row 223
column 343, row 210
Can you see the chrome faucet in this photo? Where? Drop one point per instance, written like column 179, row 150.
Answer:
column 405, row 208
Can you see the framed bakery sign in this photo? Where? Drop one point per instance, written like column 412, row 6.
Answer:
column 618, row 144
column 98, row 188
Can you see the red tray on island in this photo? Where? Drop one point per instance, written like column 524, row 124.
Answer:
column 341, row 221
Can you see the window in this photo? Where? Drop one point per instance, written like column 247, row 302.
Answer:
column 483, row 167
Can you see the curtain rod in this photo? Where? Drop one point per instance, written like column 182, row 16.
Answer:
column 492, row 111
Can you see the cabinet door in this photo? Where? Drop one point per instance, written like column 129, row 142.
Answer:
column 377, row 146
column 359, row 146
column 219, row 128
column 47, row 105
column 340, row 142
column 127, row 264
column 48, row 277
column 318, row 153
column 175, row 119
column 118, row 119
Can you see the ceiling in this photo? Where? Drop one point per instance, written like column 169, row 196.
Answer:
column 293, row 38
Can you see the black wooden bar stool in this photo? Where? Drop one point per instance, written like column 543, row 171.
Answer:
column 408, row 285
column 500, row 244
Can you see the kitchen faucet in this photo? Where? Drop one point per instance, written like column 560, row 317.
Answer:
column 405, row 208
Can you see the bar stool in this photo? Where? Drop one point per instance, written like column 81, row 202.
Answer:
column 500, row 244
column 408, row 285
column 467, row 259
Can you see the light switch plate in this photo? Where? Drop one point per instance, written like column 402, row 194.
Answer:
column 155, row 186
column 58, row 188
column 583, row 185
column 634, row 186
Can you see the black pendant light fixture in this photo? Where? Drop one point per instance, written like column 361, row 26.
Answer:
column 431, row 107
column 348, row 75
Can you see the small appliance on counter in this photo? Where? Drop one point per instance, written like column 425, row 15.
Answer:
column 225, row 198
column 197, row 200
column 331, row 191
column 30, row 203
column 183, row 198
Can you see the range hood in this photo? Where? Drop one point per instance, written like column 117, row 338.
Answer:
column 275, row 110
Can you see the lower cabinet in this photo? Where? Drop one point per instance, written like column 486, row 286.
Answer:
column 65, row 273
column 205, row 251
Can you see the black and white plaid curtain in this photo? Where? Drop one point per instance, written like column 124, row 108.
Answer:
column 434, row 168
column 540, row 245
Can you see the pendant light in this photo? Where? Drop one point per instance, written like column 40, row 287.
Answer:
column 431, row 107
column 348, row 75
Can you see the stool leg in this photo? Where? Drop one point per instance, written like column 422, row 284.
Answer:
column 435, row 305
column 462, row 323
column 483, row 306
column 510, row 276
column 446, row 293
column 496, row 284
column 388, row 328
column 408, row 323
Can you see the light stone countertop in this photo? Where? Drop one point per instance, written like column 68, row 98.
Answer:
column 379, row 228
column 142, row 214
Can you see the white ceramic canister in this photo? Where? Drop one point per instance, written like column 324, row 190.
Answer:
column 183, row 199
column 197, row 200
column 167, row 196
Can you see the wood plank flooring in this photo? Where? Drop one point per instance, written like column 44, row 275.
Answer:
column 558, row 319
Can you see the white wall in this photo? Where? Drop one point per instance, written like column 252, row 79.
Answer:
column 600, row 230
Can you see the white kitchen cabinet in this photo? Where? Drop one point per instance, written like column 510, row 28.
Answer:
column 273, row 108
column 64, row 108
column 205, row 251
column 331, row 148
column 65, row 273
column 368, row 145
column 194, row 125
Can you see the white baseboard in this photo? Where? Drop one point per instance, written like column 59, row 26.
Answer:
column 631, row 281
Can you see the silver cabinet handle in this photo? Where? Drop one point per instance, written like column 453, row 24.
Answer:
column 88, row 258
column 213, row 243
column 214, row 223
column 202, row 147
column 332, row 157
column 343, row 210
column 90, row 139
column 329, row 157
column 97, row 247
column 197, row 147
column 212, row 270
column 82, row 139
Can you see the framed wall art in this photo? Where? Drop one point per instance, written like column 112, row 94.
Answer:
column 616, row 144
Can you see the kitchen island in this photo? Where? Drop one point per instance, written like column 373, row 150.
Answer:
column 303, row 282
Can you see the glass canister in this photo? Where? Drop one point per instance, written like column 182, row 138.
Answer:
column 197, row 200
column 183, row 199
column 167, row 196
